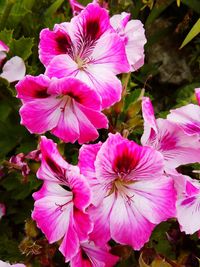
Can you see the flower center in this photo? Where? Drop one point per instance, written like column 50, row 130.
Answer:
column 81, row 63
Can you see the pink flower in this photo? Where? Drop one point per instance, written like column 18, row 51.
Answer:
column 131, row 193
column 60, row 204
column 67, row 107
column 188, row 203
column 90, row 255
column 5, row 264
column 2, row 210
column 197, row 93
column 14, row 69
column 132, row 33
column 187, row 117
column 88, row 49
column 168, row 138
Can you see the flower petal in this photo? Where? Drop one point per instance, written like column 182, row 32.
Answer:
column 14, row 69
column 41, row 115
column 187, row 117
column 128, row 228
column 32, row 87
column 51, row 211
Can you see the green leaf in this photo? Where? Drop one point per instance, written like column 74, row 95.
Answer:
column 194, row 4
column 193, row 33
column 53, row 8
column 6, row 36
column 157, row 10
column 22, row 47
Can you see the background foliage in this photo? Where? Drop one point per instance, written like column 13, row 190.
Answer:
column 169, row 77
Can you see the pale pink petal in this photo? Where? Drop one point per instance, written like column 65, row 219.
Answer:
column 32, row 87
column 70, row 244
column 110, row 53
column 52, row 212
column 14, row 69
column 62, row 66
column 132, row 33
column 187, row 117
column 67, row 127
column 128, row 228
column 101, row 217
column 197, row 93
column 107, row 85
column 41, row 115
column 2, row 210
column 148, row 113
column 155, row 199
column 176, row 146
column 188, row 203
column 136, row 40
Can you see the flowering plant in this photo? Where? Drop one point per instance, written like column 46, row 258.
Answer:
column 98, row 178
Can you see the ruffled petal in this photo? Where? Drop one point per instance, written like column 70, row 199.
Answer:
column 14, row 69
column 32, row 87
column 52, row 211
column 187, row 117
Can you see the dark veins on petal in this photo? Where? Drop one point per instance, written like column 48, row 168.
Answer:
column 59, row 172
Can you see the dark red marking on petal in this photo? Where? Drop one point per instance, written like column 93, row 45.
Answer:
column 59, row 173
column 75, row 97
column 41, row 93
column 92, row 29
column 64, row 44
column 126, row 160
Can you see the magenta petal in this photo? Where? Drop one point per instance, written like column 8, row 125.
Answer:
column 53, row 43
column 14, row 69
column 197, row 93
column 2, row 210
column 3, row 47
column 32, row 87
column 53, row 168
column 96, row 256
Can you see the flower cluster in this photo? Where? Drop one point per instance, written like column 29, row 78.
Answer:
column 119, row 190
